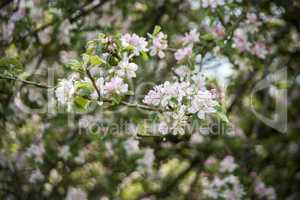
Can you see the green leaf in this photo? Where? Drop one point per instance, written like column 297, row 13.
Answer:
column 74, row 65
column 80, row 102
column 90, row 47
column 157, row 29
column 207, row 37
column 116, row 99
column 85, row 58
column 84, row 88
column 222, row 114
column 144, row 56
column 96, row 60
column 113, row 61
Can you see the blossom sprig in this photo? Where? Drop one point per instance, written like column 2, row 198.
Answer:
column 107, row 66
column 109, row 63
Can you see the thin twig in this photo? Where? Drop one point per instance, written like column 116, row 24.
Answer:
column 94, row 83
column 136, row 105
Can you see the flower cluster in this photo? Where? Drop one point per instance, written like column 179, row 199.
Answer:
column 242, row 43
column 180, row 101
column 243, row 37
column 264, row 192
column 109, row 64
column 212, row 3
column 219, row 181
column 228, row 187
column 107, row 67
column 188, row 41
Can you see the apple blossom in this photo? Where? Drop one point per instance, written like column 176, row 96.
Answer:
column 183, row 53
column 241, row 40
column 116, row 85
column 260, row 50
column 138, row 44
column 76, row 194
column 127, row 69
column 228, row 164
column 159, row 45
column 191, row 37
column 65, row 90
column 203, row 103
column 36, row 176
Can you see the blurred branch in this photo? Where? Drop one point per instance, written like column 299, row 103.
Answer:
column 160, row 13
column 15, row 78
column 72, row 18
column 87, row 11
column 241, row 91
column 36, row 67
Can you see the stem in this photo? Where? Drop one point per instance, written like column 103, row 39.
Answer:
column 136, row 105
column 133, row 105
column 94, row 83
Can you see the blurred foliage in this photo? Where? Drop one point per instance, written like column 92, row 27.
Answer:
column 39, row 38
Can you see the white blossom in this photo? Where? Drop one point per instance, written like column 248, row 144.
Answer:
column 64, row 152
column 241, row 40
column 76, row 194
column 263, row 191
column 54, row 176
column 191, row 37
column 260, row 50
column 203, row 103
column 131, row 146
column 159, row 44
column 182, row 71
column 138, row 44
column 116, row 85
column 212, row 3
column 36, row 176
column 36, row 151
column 228, row 164
column 127, row 69
column 183, row 53
column 223, row 188
column 65, row 90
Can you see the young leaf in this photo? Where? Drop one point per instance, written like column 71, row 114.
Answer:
column 96, row 60
column 74, row 65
